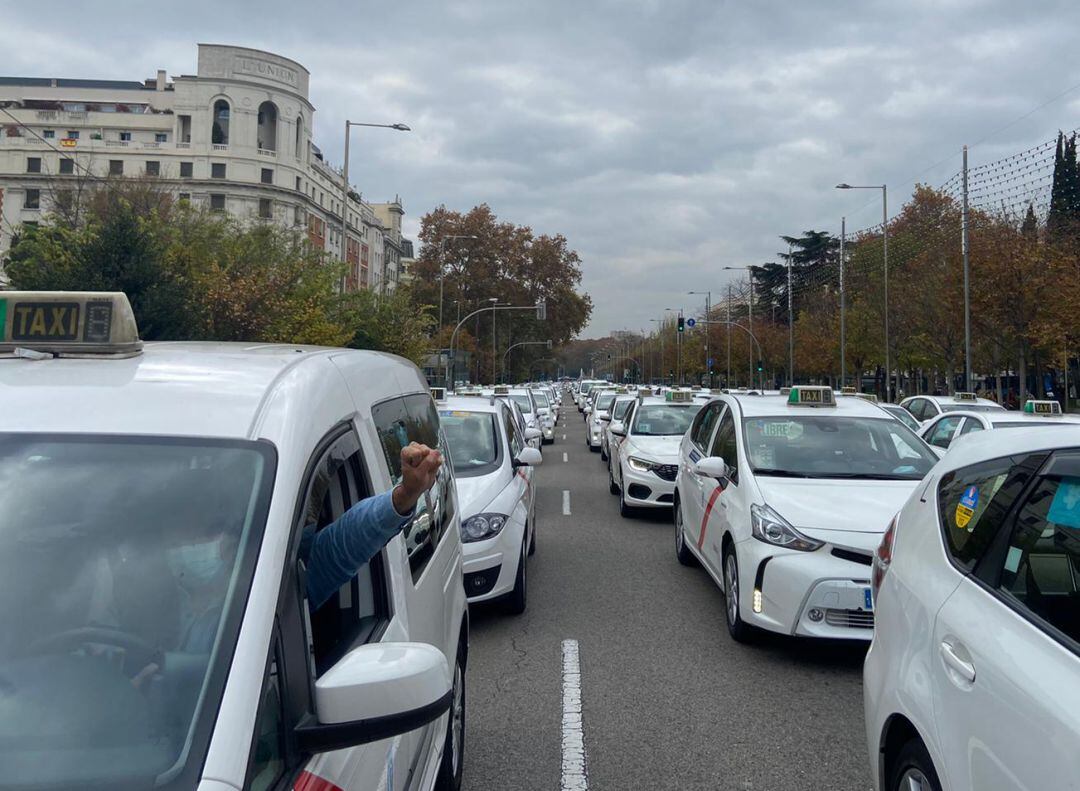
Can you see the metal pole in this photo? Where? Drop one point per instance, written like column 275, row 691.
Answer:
column 790, row 325
column 708, row 332
column 843, row 339
column 494, row 373
column 750, row 313
column 967, row 274
column 678, row 350
column 442, row 243
column 885, row 255
column 729, row 335
column 345, row 206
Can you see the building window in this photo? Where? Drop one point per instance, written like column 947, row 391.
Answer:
column 32, row 199
column 265, row 209
column 116, row 167
column 219, row 133
column 299, row 136
column 267, row 133
column 48, row 134
column 298, row 214
column 73, row 134
column 160, row 137
column 267, row 175
column 186, row 169
column 67, row 166
column 185, row 128
column 125, row 136
column 217, row 202
column 297, row 183
column 153, row 167
column 185, row 196
column 33, row 164
column 217, row 170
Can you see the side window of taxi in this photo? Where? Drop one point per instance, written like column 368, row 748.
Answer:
column 701, row 429
column 918, row 408
column 513, row 435
column 414, row 418
column 942, row 433
column 970, row 425
column 974, row 501
column 1039, row 565
column 726, row 444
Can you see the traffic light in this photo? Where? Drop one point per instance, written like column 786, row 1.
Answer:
column 681, row 323
column 760, row 366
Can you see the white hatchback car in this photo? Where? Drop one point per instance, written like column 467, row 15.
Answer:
column 972, row 681
column 942, row 431
column 597, row 421
column 925, row 407
column 493, row 466
column 618, row 410
column 157, row 501
column 783, row 500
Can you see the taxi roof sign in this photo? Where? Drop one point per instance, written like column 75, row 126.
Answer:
column 811, row 395
column 848, row 390
column 501, row 390
column 69, row 323
column 679, row 396
column 965, row 397
column 1037, row 407
column 871, row 397
column 438, row 393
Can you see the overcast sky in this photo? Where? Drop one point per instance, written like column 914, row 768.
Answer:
column 663, row 138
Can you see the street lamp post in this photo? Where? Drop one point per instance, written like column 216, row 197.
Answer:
column 750, row 317
column 442, row 273
column 885, row 262
column 790, row 324
column 678, row 349
column 708, row 316
column 660, row 331
column 345, row 187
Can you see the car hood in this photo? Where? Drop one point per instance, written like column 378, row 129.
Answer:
column 476, row 492
column 663, row 449
column 821, row 506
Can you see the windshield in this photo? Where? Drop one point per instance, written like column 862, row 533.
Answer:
column 585, row 388
column 604, row 402
column 903, row 416
column 971, row 408
column 835, row 447
column 620, row 408
column 541, row 398
column 472, row 441
column 664, row 420
column 522, row 401
column 124, row 568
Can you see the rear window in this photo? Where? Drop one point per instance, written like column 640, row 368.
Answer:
column 605, row 401
column 621, row 408
column 663, row 420
column 472, row 440
column 522, row 401
column 971, row 408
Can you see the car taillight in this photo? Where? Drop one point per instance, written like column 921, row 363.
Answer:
column 883, row 556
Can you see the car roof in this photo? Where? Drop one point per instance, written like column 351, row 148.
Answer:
column 950, row 400
column 171, row 388
column 982, row 445
column 469, row 403
column 774, row 405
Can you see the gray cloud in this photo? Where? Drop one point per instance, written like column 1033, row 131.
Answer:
column 664, row 138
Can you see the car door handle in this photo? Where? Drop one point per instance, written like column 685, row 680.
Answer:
column 953, row 662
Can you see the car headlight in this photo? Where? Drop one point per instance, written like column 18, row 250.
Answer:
column 641, row 465
column 481, row 526
column 768, row 526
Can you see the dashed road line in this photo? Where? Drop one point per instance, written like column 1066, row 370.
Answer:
column 564, row 456
column 574, row 776
column 566, row 502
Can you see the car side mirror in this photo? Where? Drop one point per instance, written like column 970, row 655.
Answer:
column 604, row 416
column 618, row 428
column 375, row 692
column 532, row 433
column 588, row 409
column 712, row 467
column 528, row 457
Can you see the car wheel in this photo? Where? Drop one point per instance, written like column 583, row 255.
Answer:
column 611, row 485
column 913, row 770
column 452, row 765
column 517, row 599
column 593, row 448
column 682, row 552
column 625, row 511
column 737, row 627
column 532, row 541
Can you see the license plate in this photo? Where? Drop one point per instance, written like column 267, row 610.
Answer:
column 868, row 595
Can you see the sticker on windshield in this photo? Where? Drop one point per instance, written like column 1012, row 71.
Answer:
column 1065, row 507
column 785, row 429
column 965, row 509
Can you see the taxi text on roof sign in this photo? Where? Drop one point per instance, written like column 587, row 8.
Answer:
column 68, row 323
column 803, row 395
column 1035, row 407
column 966, row 397
column 502, row 390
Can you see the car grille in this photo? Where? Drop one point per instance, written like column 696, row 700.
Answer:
column 667, row 471
column 850, row 619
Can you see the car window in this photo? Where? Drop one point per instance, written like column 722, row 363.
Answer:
column 916, row 407
column 473, row 441
column 725, row 444
column 268, row 751
column 941, row 434
column 970, row 425
column 621, row 408
column 973, row 502
column 663, row 420
column 967, row 407
column 541, row 398
column 901, row 414
column 513, row 434
column 1041, row 566
column 701, row 430
column 523, row 401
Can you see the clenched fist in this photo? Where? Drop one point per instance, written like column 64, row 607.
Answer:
column 419, row 468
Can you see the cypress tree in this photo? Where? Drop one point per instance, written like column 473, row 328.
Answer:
column 1056, row 214
column 1030, row 228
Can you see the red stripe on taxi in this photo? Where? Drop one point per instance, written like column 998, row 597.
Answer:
column 309, row 782
column 705, row 519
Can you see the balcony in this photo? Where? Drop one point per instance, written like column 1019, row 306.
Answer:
column 265, row 152
column 220, row 146
column 115, row 143
column 183, row 145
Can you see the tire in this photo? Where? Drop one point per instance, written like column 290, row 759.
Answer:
column 603, row 453
column 739, row 630
column 517, row 599
column 594, row 450
column 682, row 551
column 532, row 541
column 611, row 485
column 913, row 769
column 625, row 511
column 452, row 765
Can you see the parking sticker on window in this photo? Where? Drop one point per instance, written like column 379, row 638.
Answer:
column 1065, row 507
column 965, row 509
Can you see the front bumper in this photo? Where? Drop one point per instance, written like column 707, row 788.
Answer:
column 596, row 435
column 811, row 594
column 646, row 489
column 490, row 566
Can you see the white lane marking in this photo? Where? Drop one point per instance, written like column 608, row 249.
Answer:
column 564, row 436
column 566, row 502
column 564, row 456
column 574, row 776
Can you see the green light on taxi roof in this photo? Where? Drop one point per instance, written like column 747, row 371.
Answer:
column 1037, row 407
column 802, row 395
column 68, row 323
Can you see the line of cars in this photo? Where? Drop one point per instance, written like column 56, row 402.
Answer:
column 821, row 514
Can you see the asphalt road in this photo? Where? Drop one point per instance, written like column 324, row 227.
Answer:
column 670, row 701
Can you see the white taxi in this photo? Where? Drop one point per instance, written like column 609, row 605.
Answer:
column 526, row 406
column 783, row 500
column 493, row 467
column 619, row 408
column 597, row 421
column 582, row 393
column 157, row 501
column 546, row 412
column 925, row 407
column 972, row 681
column 642, row 471
column 942, row 431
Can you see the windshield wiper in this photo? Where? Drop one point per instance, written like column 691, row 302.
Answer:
column 870, row 476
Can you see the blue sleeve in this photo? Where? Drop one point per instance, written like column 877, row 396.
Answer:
column 339, row 550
